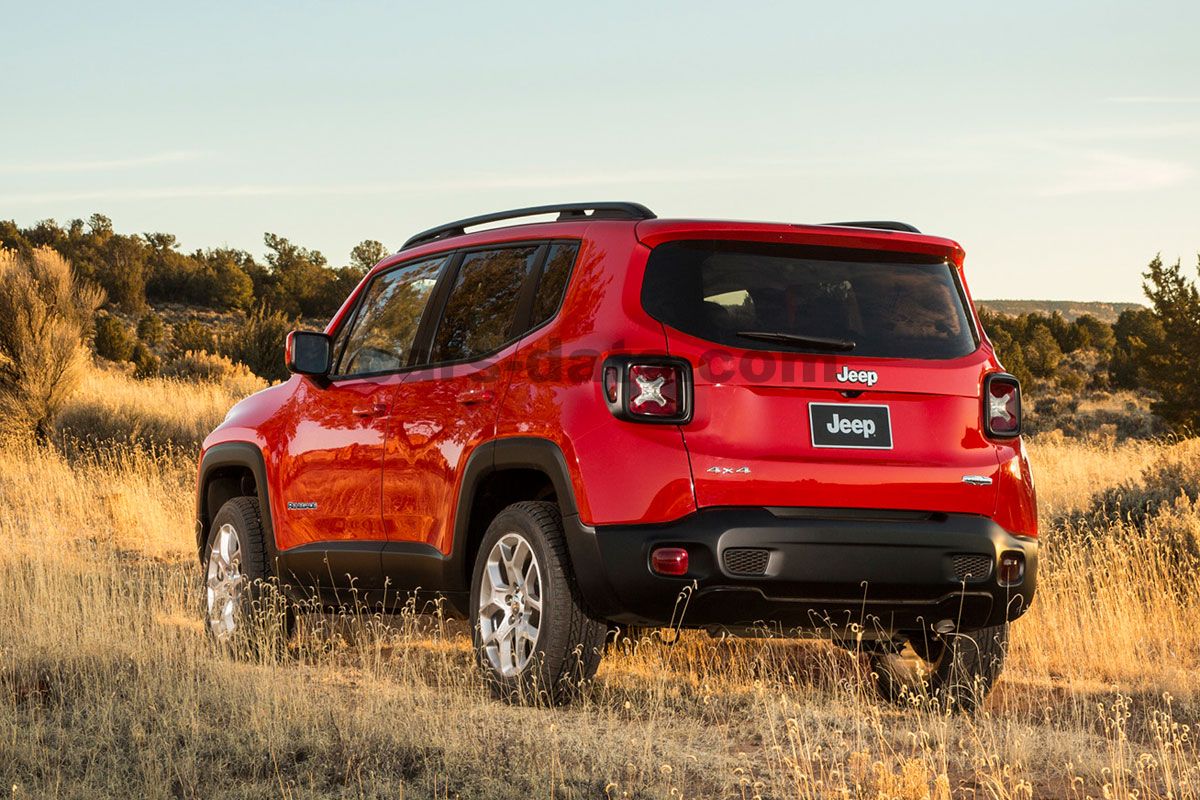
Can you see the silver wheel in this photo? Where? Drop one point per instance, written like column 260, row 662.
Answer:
column 226, row 583
column 510, row 605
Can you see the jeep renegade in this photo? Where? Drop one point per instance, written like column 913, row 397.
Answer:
column 613, row 419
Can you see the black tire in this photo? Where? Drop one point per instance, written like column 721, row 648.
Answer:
column 956, row 671
column 262, row 618
column 569, row 643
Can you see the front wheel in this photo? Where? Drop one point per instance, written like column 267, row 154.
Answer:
column 242, row 607
column 533, row 638
column 956, row 670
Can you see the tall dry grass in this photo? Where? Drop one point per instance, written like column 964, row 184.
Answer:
column 108, row 687
column 111, row 409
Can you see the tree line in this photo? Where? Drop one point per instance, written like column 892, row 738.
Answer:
column 1154, row 349
column 137, row 269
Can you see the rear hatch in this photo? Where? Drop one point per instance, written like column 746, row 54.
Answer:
column 825, row 376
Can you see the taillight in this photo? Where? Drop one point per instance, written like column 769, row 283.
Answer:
column 648, row 388
column 1002, row 405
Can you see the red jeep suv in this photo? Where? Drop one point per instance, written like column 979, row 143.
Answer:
column 613, row 419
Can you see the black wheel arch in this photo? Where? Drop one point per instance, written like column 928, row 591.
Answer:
column 536, row 455
column 228, row 470
column 486, row 462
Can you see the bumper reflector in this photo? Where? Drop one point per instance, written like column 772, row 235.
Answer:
column 669, row 561
column 1012, row 568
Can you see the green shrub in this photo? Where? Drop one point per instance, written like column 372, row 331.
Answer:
column 112, row 340
column 258, row 343
column 150, row 329
column 146, row 364
column 193, row 336
column 1175, row 474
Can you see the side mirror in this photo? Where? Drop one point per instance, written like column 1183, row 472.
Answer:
column 308, row 353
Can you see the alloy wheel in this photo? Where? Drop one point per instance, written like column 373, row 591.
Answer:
column 510, row 605
column 226, row 583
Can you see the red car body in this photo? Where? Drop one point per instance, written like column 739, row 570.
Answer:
column 388, row 480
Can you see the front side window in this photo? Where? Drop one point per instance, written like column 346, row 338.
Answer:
column 381, row 335
column 786, row 297
column 479, row 312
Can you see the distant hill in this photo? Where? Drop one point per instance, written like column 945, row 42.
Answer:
column 1107, row 312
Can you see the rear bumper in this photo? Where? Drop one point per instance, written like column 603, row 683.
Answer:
column 823, row 569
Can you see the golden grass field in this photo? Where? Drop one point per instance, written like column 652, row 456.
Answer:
column 109, row 688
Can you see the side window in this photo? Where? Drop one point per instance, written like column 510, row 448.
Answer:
column 381, row 335
column 553, row 283
column 482, row 303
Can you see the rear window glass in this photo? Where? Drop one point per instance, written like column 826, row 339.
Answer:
column 888, row 305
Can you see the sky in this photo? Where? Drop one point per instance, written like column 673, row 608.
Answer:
column 1058, row 142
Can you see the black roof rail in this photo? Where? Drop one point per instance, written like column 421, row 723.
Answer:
column 565, row 211
column 883, row 225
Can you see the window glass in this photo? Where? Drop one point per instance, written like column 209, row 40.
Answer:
column 381, row 335
column 886, row 304
column 554, row 282
column 483, row 301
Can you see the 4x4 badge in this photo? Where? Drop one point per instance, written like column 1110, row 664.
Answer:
column 729, row 470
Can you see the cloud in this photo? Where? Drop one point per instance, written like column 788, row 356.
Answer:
column 1103, row 171
column 100, row 165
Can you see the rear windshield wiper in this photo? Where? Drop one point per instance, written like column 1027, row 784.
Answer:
column 809, row 342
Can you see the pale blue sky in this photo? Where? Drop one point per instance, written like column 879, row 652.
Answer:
column 1058, row 142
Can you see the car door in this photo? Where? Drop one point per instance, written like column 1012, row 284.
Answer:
column 450, row 404
column 332, row 470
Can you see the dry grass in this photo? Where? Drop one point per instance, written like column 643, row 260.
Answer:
column 109, row 688
column 111, row 409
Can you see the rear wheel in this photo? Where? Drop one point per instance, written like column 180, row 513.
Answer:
column 242, row 604
column 533, row 638
column 957, row 671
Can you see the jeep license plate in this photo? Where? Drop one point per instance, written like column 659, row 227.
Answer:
column 860, row 427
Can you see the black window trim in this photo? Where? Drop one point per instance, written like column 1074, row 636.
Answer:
column 525, row 297
column 452, row 258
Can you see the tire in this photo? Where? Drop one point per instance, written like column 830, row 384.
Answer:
column 533, row 638
column 244, row 611
column 956, row 672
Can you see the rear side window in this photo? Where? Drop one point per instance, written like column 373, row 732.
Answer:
column 883, row 304
column 553, row 283
column 381, row 335
column 479, row 312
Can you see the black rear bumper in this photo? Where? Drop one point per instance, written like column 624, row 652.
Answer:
column 823, row 569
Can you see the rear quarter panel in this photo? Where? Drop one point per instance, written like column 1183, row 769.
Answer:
column 621, row 472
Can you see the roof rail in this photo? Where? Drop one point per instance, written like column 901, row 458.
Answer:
column 565, row 211
column 883, row 225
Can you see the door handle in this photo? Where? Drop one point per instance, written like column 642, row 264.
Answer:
column 475, row 396
column 373, row 410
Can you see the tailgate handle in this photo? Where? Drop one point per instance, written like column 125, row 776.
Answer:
column 977, row 480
